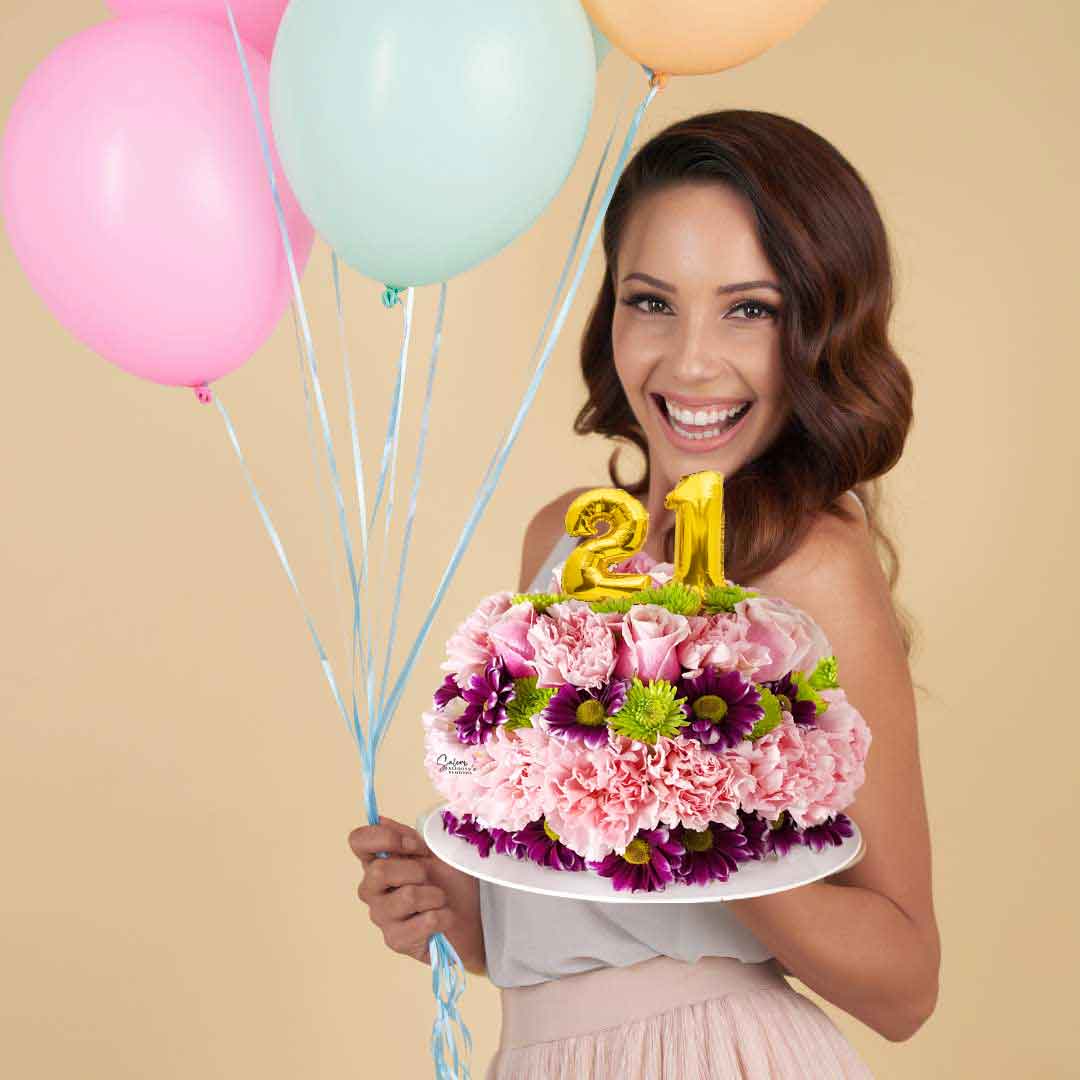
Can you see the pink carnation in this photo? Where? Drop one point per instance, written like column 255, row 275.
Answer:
column 597, row 799
column 573, row 644
column 720, row 640
column 843, row 721
column 700, row 786
column 793, row 640
column 509, row 786
column 509, row 637
column 469, row 648
column 650, row 634
column 773, row 759
column 451, row 765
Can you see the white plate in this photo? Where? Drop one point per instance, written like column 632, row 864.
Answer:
column 758, row 877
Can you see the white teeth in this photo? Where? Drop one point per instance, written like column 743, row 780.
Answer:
column 702, row 416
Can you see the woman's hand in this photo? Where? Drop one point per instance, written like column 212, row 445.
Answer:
column 412, row 895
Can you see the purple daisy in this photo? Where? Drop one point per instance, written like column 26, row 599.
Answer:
column 786, row 691
column 467, row 829
column 505, row 844
column 712, row 854
column 829, row 834
column 542, row 845
column 755, row 829
column 583, row 714
column 722, row 706
column 783, row 835
column 649, row 862
column 447, row 692
column 485, row 703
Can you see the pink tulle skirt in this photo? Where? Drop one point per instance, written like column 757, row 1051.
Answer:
column 663, row 1019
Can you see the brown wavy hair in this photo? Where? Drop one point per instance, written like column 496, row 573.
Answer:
column 851, row 394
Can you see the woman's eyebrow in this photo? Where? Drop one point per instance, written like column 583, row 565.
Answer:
column 736, row 286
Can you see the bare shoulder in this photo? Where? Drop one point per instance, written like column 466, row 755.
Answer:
column 836, row 556
column 545, row 528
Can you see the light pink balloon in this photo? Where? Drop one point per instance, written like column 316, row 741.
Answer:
column 137, row 200
column 257, row 20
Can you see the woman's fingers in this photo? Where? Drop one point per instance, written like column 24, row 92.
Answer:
column 411, row 936
column 368, row 840
column 381, row 875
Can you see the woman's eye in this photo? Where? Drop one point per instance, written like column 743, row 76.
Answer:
column 754, row 305
column 645, row 298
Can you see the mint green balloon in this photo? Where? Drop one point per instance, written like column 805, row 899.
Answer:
column 421, row 137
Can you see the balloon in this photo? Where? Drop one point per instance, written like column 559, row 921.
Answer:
column 698, row 502
column 257, row 20
column 587, row 573
column 698, row 37
column 600, row 43
column 137, row 199
column 420, row 141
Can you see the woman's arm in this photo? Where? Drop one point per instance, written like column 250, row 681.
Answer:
column 867, row 938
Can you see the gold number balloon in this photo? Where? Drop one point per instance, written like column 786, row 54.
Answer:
column 586, row 574
column 698, row 502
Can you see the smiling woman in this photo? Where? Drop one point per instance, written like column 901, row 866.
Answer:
column 741, row 327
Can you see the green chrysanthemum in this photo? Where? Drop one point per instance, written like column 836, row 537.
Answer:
column 724, row 597
column 675, row 596
column 824, row 676
column 540, row 601
column 612, row 603
column 527, row 701
column 650, row 711
column 772, row 713
column 806, row 692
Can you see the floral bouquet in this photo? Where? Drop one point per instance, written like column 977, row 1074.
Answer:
column 660, row 738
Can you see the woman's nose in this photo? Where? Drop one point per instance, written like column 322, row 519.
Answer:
column 699, row 354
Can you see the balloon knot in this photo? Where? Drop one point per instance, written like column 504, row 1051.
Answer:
column 204, row 394
column 658, row 80
column 391, row 296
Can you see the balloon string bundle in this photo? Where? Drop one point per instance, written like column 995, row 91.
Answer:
column 448, row 974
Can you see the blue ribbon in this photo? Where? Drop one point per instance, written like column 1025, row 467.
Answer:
column 499, row 460
column 447, row 986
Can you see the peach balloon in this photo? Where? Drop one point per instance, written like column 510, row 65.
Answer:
column 698, row 37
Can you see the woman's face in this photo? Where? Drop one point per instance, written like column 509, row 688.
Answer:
column 696, row 331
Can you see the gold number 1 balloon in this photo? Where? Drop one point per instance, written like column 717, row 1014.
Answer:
column 698, row 502
column 586, row 574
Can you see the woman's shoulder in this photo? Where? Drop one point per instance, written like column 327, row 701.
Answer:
column 836, row 553
column 543, row 532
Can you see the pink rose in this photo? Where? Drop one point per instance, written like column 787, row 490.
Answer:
column 650, row 634
column 469, row 648
column 792, row 638
column 573, row 644
column 643, row 563
column 509, row 636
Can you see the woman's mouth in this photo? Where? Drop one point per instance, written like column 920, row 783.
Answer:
column 699, row 430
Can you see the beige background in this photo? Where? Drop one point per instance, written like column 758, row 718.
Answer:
column 176, row 789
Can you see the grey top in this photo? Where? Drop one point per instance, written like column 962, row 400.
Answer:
column 529, row 938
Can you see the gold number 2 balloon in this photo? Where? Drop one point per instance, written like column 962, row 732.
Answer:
column 586, row 574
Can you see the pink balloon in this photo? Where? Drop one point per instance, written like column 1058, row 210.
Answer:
column 257, row 20
column 136, row 197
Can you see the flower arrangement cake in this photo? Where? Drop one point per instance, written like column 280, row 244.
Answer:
column 651, row 723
